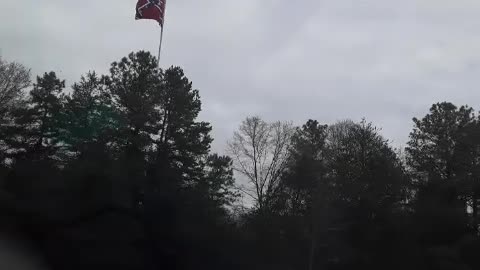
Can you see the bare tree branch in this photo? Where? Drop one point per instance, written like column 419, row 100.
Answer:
column 260, row 152
column 14, row 78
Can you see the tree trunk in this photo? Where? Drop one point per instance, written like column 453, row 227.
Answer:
column 475, row 208
column 313, row 242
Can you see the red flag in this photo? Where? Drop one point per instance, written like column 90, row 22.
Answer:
column 151, row 9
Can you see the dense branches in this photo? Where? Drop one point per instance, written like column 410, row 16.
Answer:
column 14, row 78
column 260, row 151
column 116, row 172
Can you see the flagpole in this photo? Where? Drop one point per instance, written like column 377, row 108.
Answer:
column 160, row 47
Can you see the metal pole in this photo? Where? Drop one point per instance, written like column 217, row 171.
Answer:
column 160, row 47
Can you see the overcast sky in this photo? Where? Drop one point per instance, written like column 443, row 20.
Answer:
column 384, row 60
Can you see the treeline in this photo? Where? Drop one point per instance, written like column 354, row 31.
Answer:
column 116, row 172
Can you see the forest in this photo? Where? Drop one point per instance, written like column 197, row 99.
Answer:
column 116, row 172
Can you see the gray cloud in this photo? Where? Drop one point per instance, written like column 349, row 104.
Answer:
column 330, row 59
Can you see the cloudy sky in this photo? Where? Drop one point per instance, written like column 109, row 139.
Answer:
column 384, row 60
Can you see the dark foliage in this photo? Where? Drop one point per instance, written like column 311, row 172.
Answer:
column 117, row 173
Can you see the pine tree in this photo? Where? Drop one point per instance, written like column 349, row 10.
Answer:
column 432, row 147
column 91, row 120
column 37, row 128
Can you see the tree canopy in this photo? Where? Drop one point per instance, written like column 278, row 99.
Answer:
column 116, row 171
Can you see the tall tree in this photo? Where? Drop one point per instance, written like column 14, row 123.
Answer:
column 305, row 183
column 181, row 140
column 37, row 129
column 468, row 169
column 367, row 181
column 134, row 85
column 260, row 152
column 165, row 164
column 14, row 78
column 91, row 140
column 432, row 147
column 306, row 165
column 363, row 165
column 158, row 112
column 444, row 147
column 90, row 116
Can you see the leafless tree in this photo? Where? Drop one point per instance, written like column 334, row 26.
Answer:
column 14, row 78
column 260, row 151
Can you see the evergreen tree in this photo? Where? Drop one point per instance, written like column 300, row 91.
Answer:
column 432, row 147
column 91, row 118
column 36, row 131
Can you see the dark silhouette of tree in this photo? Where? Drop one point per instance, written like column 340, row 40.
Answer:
column 91, row 118
column 365, row 168
column 342, row 184
column 306, row 166
column 467, row 165
column 117, row 172
column 431, row 149
column 36, row 131
column 443, row 156
column 305, row 181
column 444, row 147
column 368, row 184
column 120, row 157
column 186, row 141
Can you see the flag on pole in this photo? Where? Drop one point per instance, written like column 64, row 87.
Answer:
column 152, row 10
